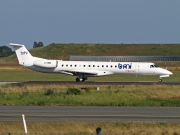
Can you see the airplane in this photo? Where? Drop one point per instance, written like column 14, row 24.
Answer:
column 85, row 69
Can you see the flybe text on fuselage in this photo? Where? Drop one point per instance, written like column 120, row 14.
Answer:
column 124, row 66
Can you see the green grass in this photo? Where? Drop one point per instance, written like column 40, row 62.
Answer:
column 63, row 51
column 111, row 49
column 135, row 95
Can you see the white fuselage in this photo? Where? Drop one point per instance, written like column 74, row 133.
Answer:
column 89, row 68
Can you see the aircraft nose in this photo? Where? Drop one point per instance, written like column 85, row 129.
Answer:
column 170, row 73
column 167, row 72
column 163, row 71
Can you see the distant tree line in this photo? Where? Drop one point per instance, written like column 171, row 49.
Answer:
column 5, row 51
column 38, row 44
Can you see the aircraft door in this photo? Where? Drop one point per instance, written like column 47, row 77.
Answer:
column 152, row 69
column 137, row 68
column 56, row 63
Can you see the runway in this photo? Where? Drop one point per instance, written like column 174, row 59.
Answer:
column 92, row 83
column 89, row 114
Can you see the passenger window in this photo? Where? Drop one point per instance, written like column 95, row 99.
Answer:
column 89, row 65
column 111, row 66
column 84, row 65
column 75, row 65
column 62, row 65
column 66, row 65
column 106, row 65
column 93, row 65
column 70, row 65
column 102, row 65
column 115, row 66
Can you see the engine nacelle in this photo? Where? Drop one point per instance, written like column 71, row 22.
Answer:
column 46, row 63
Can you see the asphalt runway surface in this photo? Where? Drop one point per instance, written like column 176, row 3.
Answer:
column 101, row 83
column 92, row 83
column 89, row 114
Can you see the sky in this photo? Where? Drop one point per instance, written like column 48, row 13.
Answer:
column 89, row 21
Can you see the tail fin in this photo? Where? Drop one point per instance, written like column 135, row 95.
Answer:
column 22, row 53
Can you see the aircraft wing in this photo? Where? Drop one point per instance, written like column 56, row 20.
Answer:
column 86, row 72
column 78, row 72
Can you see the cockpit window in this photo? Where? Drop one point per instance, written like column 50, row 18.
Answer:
column 154, row 66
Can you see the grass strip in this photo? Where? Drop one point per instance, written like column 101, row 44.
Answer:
column 133, row 95
column 89, row 128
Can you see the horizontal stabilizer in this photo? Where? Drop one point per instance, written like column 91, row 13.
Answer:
column 13, row 44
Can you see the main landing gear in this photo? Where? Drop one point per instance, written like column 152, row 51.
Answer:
column 160, row 79
column 80, row 79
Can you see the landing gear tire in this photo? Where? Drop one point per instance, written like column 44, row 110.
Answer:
column 80, row 79
column 160, row 80
column 84, row 79
column 77, row 80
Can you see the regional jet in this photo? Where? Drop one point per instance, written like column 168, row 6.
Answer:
column 85, row 69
